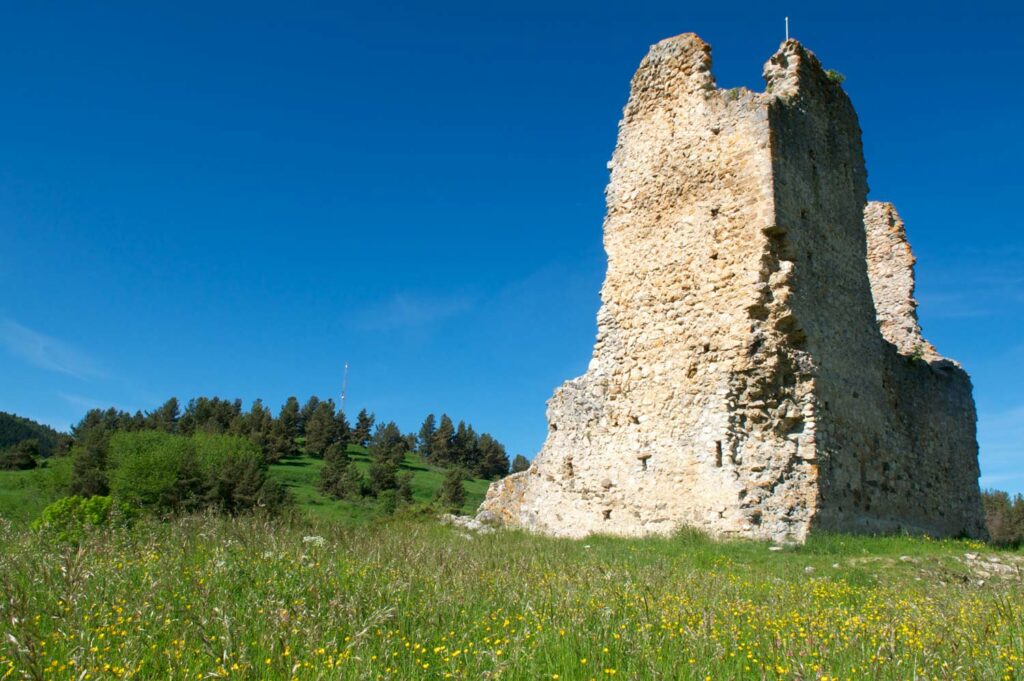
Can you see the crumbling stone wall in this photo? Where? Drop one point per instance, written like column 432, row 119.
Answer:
column 740, row 382
column 891, row 270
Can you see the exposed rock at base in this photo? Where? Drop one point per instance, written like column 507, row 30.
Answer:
column 740, row 382
column 470, row 523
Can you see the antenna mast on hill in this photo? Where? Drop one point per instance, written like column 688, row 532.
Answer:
column 787, row 28
column 344, row 388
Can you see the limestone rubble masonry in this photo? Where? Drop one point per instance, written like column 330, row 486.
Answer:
column 742, row 381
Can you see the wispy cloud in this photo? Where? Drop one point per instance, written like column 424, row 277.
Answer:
column 47, row 352
column 83, row 402
column 408, row 310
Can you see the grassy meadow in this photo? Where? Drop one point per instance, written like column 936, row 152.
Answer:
column 336, row 591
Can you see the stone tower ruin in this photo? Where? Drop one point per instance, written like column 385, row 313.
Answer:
column 759, row 370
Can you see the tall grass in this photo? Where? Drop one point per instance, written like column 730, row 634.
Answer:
column 208, row 597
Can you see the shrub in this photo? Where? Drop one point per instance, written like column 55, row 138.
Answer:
column 404, row 489
column 164, row 473
column 340, row 478
column 387, row 502
column 835, row 76
column 68, row 520
column 452, row 494
column 145, row 468
column 383, row 475
column 20, row 457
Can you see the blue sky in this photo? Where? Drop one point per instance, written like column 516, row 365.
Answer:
column 234, row 199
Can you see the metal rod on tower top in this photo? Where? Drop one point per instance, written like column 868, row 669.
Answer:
column 344, row 388
column 787, row 28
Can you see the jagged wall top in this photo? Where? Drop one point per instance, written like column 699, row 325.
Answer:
column 674, row 67
column 681, row 66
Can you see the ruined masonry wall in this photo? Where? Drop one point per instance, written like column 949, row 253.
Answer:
column 740, row 383
column 891, row 270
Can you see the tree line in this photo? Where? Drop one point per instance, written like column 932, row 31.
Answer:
column 1004, row 517
column 459, row 449
column 317, row 428
column 23, row 442
column 313, row 428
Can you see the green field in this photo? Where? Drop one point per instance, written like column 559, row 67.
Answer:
column 338, row 591
column 23, row 494
column 208, row 597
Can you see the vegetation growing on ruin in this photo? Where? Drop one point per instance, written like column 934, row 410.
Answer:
column 835, row 76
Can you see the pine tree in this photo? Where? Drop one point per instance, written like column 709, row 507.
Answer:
column 388, row 443
column 383, row 475
column 306, row 413
column 166, row 417
column 465, row 450
column 136, row 421
column 426, row 436
column 290, row 416
column 493, row 461
column 342, row 428
column 207, row 415
column 452, row 495
column 404, row 489
column 471, row 449
column 258, row 424
column 109, row 420
column 21, row 456
column 191, row 490
column 352, row 484
column 89, row 465
column 321, row 428
column 340, row 477
column 281, row 442
column 364, row 426
column 441, row 443
column 520, row 463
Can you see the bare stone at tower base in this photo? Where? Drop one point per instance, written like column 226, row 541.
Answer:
column 759, row 370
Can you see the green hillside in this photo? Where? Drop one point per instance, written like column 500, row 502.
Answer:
column 14, row 429
column 23, row 494
column 300, row 476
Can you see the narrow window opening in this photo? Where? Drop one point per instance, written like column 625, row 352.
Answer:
column 718, row 454
column 607, row 514
column 643, row 464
